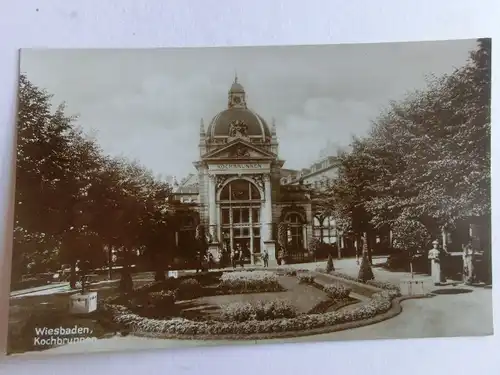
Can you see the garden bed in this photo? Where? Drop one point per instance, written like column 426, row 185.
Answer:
column 324, row 316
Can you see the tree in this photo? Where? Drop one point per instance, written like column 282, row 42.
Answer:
column 43, row 164
column 314, row 246
column 439, row 141
column 73, row 203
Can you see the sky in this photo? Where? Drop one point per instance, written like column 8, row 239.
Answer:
column 146, row 104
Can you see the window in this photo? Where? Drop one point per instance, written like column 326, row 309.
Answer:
column 325, row 229
column 240, row 215
column 239, row 190
column 296, row 232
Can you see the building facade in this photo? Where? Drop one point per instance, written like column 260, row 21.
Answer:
column 242, row 190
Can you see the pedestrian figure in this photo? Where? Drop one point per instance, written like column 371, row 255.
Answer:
column 234, row 257
column 265, row 258
column 468, row 263
column 240, row 257
column 199, row 266
column 436, row 257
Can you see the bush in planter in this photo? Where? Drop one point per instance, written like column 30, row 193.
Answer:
column 329, row 264
column 337, row 291
column 245, row 311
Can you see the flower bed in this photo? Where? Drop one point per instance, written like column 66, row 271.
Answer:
column 385, row 285
column 244, row 321
column 163, row 299
column 240, row 312
column 305, row 279
column 380, row 303
column 286, row 271
column 337, row 291
column 249, row 282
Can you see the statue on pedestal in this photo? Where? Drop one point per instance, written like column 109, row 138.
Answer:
column 468, row 263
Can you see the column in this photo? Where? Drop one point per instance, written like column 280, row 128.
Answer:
column 268, row 208
column 250, row 232
column 212, row 207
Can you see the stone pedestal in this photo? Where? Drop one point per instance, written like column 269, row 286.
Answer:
column 83, row 303
column 270, row 246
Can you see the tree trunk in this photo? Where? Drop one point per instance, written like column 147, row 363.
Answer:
column 110, row 262
column 126, row 283
column 72, row 275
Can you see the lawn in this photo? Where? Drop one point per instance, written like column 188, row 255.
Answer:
column 304, row 297
column 208, row 307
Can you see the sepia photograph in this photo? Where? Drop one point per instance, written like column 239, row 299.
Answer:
column 187, row 197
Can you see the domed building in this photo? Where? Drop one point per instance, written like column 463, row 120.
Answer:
column 240, row 187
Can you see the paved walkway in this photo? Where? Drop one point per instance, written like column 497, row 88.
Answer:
column 28, row 291
column 445, row 315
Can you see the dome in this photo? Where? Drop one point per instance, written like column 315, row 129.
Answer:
column 255, row 124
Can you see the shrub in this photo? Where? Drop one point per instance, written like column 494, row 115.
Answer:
column 241, row 312
column 365, row 270
column 314, row 246
column 189, row 288
column 337, row 291
column 162, row 299
column 329, row 264
column 305, row 279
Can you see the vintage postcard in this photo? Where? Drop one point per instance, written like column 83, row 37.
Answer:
column 185, row 197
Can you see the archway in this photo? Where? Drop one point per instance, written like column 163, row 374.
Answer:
column 240, row 216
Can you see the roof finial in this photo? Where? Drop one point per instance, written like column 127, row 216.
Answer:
column 235, row 76
column 273, row 125
column 202, row 126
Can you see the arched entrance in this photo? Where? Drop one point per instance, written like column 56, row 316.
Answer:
column 240, row 204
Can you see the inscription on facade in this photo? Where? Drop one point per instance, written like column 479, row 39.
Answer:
column 226, row 167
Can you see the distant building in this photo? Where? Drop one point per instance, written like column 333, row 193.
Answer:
column 241, row 189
